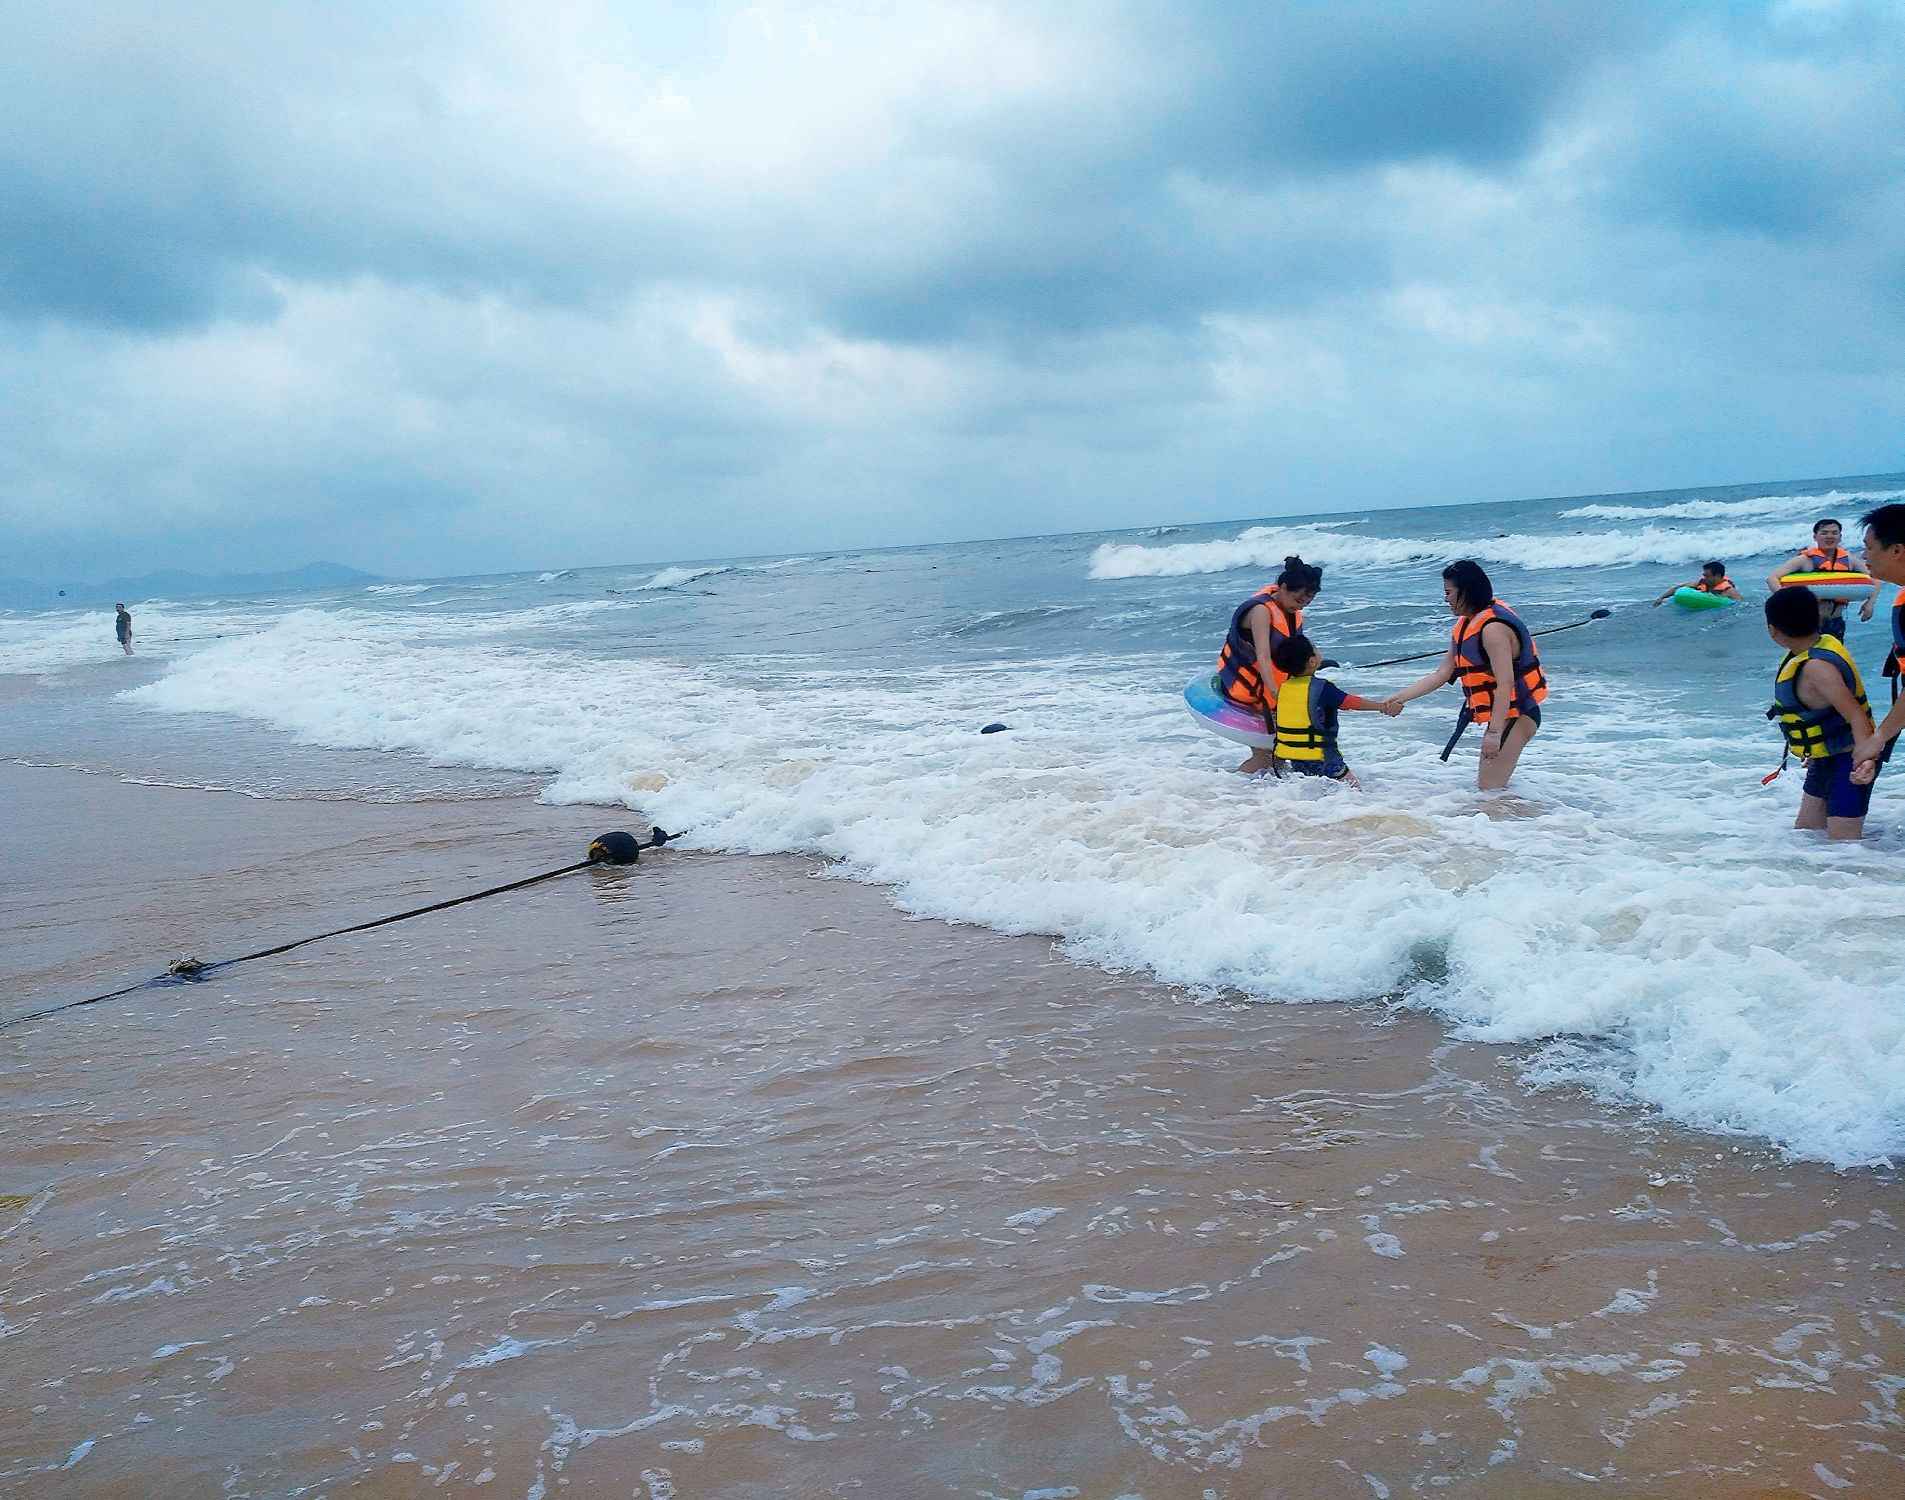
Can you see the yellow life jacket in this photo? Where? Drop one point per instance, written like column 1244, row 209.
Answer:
column 1303, row 728
column 1815, row 733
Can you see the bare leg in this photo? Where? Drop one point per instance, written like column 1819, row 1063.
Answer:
column 1258, row 763
column 1493, row 773
column 1812, row 813
column 1845, row 828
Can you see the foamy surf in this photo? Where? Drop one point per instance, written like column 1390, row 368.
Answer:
column 1659, row 941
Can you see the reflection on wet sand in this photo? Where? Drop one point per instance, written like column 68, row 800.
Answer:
column 708, row 1178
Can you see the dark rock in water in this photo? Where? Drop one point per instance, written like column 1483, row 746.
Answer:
column 994, row 728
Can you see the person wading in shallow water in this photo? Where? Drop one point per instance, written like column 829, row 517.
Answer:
column 122, row 627
column 1246, row 673
column 1493, row 656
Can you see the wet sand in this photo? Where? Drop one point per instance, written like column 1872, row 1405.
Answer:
column 713, row 1178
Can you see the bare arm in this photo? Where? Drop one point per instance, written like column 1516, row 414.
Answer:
column 1872, row 746
column 1871, row 599
column 1826, row 683
column 1792, row 565
column 1429, row 681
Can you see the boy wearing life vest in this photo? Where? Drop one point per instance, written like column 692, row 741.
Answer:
column 1885, row 559
column 1825, row 555
column 1307, row 706
column 1492, row 654
column 1246, row 667
column 1819, row 705
column 1712, row 580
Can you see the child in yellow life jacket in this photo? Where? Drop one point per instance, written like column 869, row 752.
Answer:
column 1819, row 705
column 1307, row 706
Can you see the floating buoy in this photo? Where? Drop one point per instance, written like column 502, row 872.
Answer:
column 615, row 849
column 994, row 728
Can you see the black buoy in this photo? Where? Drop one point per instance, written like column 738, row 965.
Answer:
column 615, row 849
column 994, row 728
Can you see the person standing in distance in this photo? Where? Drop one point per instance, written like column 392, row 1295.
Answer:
column 122, row 627
column 1825, row 555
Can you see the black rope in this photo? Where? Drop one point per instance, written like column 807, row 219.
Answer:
column 1362, row 666
column 191, row 971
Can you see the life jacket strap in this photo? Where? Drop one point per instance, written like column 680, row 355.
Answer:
column 1462, row 721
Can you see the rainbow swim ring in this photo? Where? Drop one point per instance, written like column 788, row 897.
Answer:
column 1840, row 587
column 1215, row 712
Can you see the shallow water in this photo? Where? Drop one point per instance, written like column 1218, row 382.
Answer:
column 710, row 1178
column 1638, row 908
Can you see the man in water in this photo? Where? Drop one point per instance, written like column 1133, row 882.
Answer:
column 1825, row 555
column 1885, row 560
column 122, row 627
column 1712, row 580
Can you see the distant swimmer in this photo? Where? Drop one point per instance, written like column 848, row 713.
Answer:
column 1820, row 707
column 1265, row 618
column 1712, row 580
column 1488, row 647
column 1825, row 555
column 1885, row 559
column 122, row 627
column 1307, row 706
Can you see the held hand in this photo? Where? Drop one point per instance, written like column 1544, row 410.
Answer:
column 1865, row 609
column 1864, row 773
column 1390, row 707
column 1868, row 748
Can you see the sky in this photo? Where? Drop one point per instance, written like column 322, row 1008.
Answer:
column 437, row 288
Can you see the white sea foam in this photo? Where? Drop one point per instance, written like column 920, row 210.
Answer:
column 1265, row 547
column 1665, row 939
column 397, row 588
column 674, row 578
column 1800, row 510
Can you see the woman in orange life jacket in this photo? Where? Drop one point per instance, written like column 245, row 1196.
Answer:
column 1825, row 555
column 1885, row 559
column 1493, row 656
column 1712, row 580
column 1245, row 673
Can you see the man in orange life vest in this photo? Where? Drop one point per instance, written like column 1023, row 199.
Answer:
column 1712, row 580
column 1493, row 656
column 1245, row 672
column 1825, row 555
column 1885, row 559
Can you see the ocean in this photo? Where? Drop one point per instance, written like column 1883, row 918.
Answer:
column 1635, row 911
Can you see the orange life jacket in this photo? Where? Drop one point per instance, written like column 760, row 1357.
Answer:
column 1837, row 561
column 1239, row 673
column 1478, row 678
column 1701, row 586
column 1895, row 663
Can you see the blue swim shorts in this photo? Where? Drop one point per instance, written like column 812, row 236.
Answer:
column 1830, row 780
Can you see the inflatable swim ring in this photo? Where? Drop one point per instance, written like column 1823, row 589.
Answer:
column 1692, row 598
column 1215, row 712
column 1841, row 587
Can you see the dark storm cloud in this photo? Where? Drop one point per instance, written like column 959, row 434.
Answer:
column 489, row 277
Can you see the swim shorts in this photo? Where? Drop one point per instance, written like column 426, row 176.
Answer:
column 1830, row 780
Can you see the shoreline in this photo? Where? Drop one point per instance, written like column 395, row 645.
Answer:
column 713, row 1178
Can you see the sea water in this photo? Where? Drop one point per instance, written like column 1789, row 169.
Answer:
column 1636, row 909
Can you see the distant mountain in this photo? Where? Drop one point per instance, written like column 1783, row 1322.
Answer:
column 174, row 583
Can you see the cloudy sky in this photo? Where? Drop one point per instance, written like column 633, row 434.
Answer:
column 443, row 287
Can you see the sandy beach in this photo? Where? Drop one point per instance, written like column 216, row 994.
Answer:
column 713, row 1178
